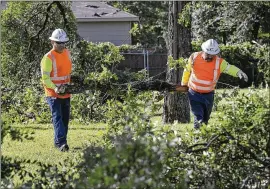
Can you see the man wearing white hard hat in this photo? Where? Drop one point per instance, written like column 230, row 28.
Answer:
column 56, row 70
column 201, row 75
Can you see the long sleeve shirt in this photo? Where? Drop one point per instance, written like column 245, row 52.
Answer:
column 46, row 68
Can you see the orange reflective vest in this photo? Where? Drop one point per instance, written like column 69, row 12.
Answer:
column 204, row 75
column 61, row 70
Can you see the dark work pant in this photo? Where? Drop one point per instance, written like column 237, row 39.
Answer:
column 60, row 109
column 201, row 106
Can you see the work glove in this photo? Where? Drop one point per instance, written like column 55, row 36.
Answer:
column 242, row 75
column 181, row 88
column 60, row 89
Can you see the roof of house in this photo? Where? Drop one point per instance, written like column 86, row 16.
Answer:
column 91, row 11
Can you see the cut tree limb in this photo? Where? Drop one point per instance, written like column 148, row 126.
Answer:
column 148, row 85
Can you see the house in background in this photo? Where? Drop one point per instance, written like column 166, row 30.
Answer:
column 3, row 5
column 100, row 22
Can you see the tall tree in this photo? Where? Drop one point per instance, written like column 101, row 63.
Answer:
column 25, row 31
column 231, row 22
column 176, row 106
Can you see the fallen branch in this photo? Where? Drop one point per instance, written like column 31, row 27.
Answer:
column 206, row 144
column 78, row 86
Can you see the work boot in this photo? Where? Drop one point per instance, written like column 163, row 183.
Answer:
column 197, row 124
column 63, row 148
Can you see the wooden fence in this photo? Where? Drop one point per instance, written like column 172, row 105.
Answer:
column 154, row 63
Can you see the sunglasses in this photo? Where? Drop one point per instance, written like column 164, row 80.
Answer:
column 59, row 43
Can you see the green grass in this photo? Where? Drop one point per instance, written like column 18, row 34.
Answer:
column 41, row 147
column 157, row 121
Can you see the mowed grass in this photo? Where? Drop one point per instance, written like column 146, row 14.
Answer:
column 41, row 147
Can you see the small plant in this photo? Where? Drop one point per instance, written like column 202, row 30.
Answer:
column 173, row 64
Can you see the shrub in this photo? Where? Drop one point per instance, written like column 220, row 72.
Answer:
column 25, row 105
column 234, row 150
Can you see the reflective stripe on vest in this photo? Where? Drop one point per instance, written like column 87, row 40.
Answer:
column 61, row 84
column 227, row 68
column 194, row 57
column 209, row 85
column 216, row 70
column 201, row 88
column 194, row 79
column 55, row 77
column 60, row 78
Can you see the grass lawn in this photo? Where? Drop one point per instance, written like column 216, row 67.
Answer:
column 41, row 147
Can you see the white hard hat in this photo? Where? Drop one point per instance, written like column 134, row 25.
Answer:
column 59, row 35
column 210, row 47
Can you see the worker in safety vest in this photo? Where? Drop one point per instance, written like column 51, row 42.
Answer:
column 201, row 75
column 56, row 69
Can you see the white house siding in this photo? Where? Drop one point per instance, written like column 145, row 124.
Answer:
column 98, row 32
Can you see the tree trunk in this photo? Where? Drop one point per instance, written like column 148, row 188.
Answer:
column 176, row 105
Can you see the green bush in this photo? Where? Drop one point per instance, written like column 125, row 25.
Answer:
column 89, row 57
column 234, row 150
column 24, row 105
column 135, row 155
column 87, row 108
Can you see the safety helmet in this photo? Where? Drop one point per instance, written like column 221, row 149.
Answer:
column 59, row 35
column 210, row 47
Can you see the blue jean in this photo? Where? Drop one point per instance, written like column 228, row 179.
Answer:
column 201, row 106
column 60, row 109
